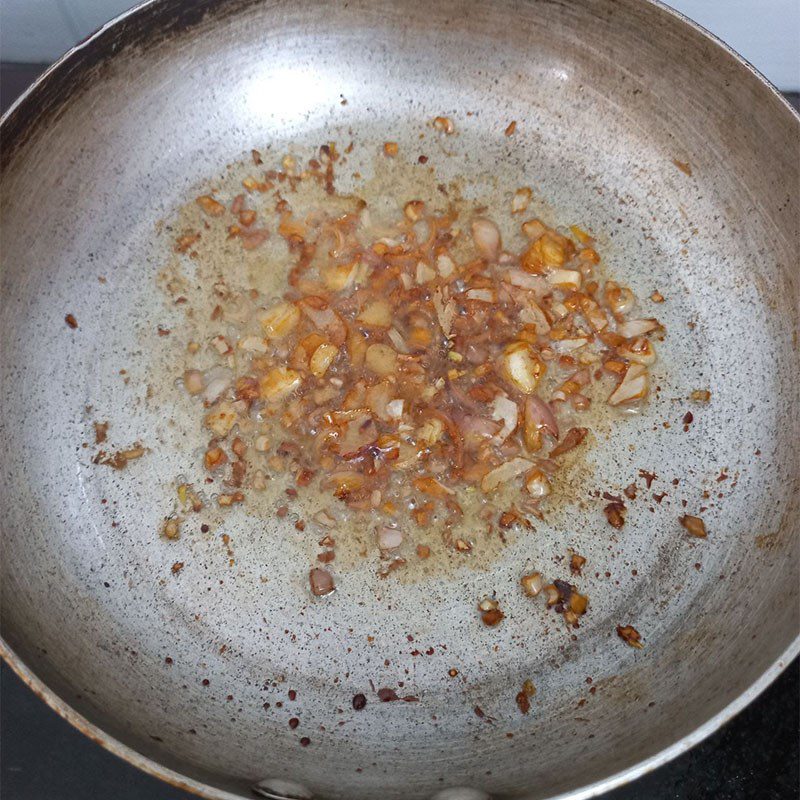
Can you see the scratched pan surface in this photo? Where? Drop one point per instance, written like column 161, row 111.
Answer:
column 606, row 95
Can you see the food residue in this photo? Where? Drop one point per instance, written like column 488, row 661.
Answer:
column 630, row 636
column 413, row 361
column 694, row 526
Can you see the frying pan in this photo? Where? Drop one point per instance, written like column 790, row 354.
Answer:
column 608, row 96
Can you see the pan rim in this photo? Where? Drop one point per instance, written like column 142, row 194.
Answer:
column 158, row 770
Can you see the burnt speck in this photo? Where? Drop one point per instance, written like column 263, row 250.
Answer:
column 292, row 694
column 305, row 741
column 359, row 702
column 649, row 477
column 205, row 681
column 71, row 321
column 204, row 528
column 294, row 722
column 386, row 695
column 615, row 514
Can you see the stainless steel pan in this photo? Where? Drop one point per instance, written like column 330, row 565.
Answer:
column 607, row 95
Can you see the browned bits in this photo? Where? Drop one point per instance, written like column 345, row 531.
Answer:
column 210, row 206
column 304, row 477
column 694, row 526
column 576, row 563
column 183, row 243
column 305, row 741
column 523, row 697
column 700, row 395
column 512, row 517
column 257, row 160
column 572, row 439
column 177, row 567
column 657, row 297
column 204, row 528
column 649, row 477
column 247, row 217
column 444, row 125
column 300, row 525
column 172, row 528
column 511, row 128
column 359, row 702
column 491, row 615
column 565, row 599
column 292, row 694
column 321, row 582
column 615, row 514
column 71, row 321
column 414, row 210
column 294, row 722
column 230, row 499
column 532, row 583
column 120, row 459
column 282, row 511
column 390, row 149
column 214, row 457
column 452, row 672
column 630, row 636
column 683, row 166
column 423, row 551
column 100, row 432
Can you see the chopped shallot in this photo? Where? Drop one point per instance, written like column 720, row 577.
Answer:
column 521, row 200
column 505, row 473
column 637, row 327
column 522, row 367
column 634, row 386
column 505, row 411
column 486, row 236
column 321, row 582
column 532, row 584
column 407, row 364
column 694, row 526
column 389, row 538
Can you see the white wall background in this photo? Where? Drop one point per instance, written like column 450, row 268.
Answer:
column 765, row 32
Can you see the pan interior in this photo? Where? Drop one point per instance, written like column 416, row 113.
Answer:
column 194, row 670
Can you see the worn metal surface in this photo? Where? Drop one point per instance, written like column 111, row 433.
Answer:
column 606, row 95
